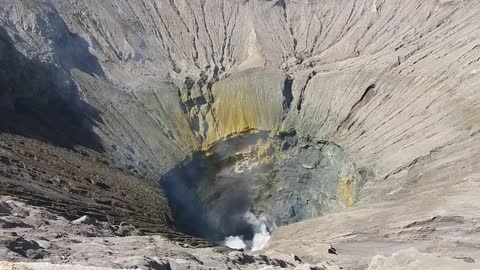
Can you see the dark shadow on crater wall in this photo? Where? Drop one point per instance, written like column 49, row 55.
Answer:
column 40, row 100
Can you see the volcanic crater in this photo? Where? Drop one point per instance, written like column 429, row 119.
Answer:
column 304, row 134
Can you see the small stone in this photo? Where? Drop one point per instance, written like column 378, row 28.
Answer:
column 60, row 235
column 309, row 167
column 125, row 229
column 332, row 250
column 295, row 258
column 85, row 220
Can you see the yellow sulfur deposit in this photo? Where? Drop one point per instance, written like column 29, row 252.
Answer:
column 246, row 101
column 347, row 191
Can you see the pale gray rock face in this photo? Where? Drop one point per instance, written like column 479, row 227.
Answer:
column 392, row 83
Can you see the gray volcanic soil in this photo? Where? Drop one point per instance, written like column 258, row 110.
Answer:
column 102, row 100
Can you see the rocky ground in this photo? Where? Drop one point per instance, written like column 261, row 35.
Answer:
column 75, row 182
column 34, row 234
column 34, row 238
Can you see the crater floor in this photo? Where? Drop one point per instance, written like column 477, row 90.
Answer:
column 254, row 179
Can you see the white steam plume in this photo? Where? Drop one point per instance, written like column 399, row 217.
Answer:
column 260, row 238
column 235, row 242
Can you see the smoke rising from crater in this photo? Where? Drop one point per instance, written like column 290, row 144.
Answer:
column 205, row 208
column 211, row 195
column 260, row 237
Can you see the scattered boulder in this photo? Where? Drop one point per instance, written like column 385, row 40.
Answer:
column 12, row 266
column 241, row 258
column 5, row 209
column 125, row 229
column 158, row 265
column 413, row 259
column 465, row 259
column 27, row 248
column 5, row 224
